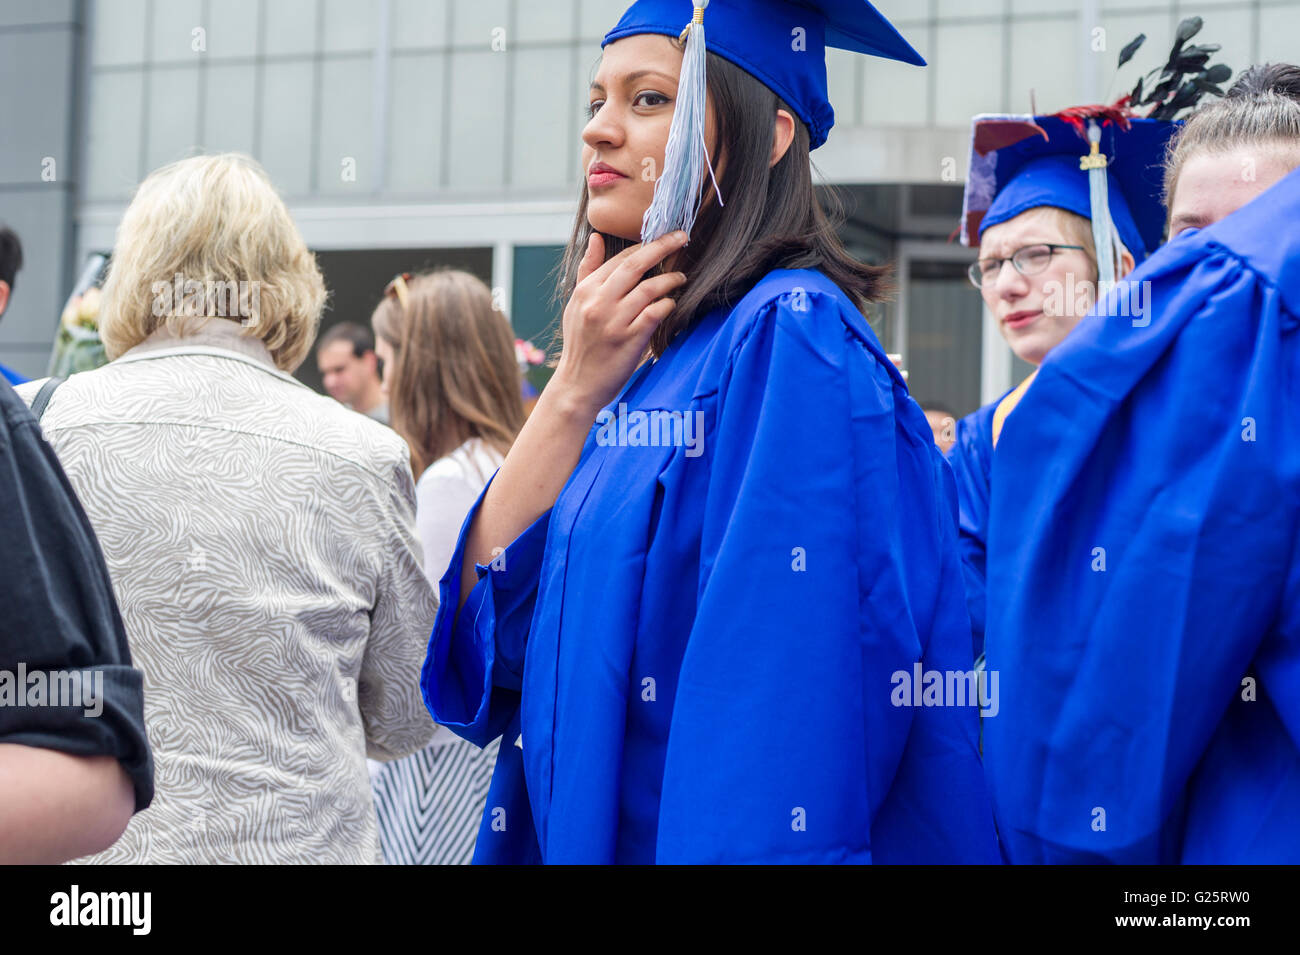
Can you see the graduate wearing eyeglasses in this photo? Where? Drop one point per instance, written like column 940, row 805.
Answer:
column 1032, row 207
column 687, row 598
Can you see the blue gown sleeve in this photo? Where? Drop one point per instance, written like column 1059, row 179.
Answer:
column 827, row 564
column 971, row 458
column 473, row 670
column 473, row 674
column 1149, row 567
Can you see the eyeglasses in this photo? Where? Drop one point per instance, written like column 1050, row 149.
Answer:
column 398, row 288
column 1030, row 260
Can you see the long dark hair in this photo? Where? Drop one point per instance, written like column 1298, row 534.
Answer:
column 772, row 218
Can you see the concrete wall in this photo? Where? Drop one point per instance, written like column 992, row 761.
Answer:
column 428, row 124
column 40, row 67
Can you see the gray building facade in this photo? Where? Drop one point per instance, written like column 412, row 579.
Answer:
column 411, row 133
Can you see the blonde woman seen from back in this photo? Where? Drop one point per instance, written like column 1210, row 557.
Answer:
column 260, row 537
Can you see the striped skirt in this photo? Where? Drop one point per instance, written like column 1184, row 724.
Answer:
column 431, row 802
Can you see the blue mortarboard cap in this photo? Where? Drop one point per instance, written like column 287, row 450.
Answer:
column 780, row 42
column 1020, row 163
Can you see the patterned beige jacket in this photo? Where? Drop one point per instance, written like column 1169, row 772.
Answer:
column 262, row 546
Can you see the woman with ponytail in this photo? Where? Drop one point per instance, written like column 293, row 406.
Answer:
column 454, row 394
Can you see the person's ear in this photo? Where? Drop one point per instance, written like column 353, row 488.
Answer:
column 4, row 297
column 1126, row 263
column 783, row 138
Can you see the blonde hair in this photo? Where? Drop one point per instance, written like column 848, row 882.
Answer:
column 1260, row 112
column 212, row 223
column 1076, row 230
column 1073, row 228
column 454, row 375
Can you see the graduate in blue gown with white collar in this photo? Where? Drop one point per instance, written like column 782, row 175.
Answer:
column 697, row 593
column 1029, row 207
column 1144, row 585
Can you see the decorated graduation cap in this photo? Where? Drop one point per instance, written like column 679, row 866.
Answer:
column 1104, row 163
column 782, row 43
column 1100, row 164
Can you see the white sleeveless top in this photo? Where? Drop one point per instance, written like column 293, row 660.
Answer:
column 443, row 496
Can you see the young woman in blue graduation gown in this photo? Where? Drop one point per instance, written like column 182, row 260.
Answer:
column 691, row 643
column 1144, row 587
column 1018, row 301
column 1029, row 207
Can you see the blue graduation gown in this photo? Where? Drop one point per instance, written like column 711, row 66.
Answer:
column 1144, row 585
column 699, row 645
column 971, row 457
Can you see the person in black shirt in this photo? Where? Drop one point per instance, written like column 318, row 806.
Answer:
column 74, row 759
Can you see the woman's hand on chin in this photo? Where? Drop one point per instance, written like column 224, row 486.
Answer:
column 607, row 326
column 609, row 319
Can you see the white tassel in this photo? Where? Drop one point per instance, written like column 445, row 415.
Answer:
column 1104, row 238
column 678, row 196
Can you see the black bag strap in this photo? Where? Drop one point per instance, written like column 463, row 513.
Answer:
column 43, row 396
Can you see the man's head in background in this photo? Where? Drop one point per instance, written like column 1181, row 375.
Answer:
column 11, row 260
column 349, row 367
column 943, row 424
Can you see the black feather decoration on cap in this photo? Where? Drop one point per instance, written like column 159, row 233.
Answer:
column 1187, row 76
